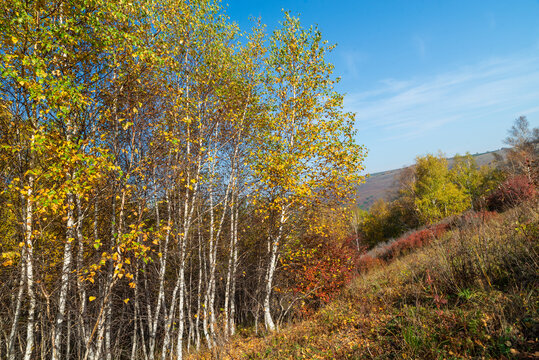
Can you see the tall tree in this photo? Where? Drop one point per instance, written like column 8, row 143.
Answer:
column 306, row 149
column 523, row 157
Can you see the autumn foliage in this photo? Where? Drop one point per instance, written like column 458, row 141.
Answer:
column 156, row 162
column 415, row 240
column 318, row 270
column 511, row 192
column 469, row 294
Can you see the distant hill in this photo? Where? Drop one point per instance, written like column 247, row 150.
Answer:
column 383, row 184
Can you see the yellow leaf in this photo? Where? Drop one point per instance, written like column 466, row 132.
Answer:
column 14, row 40
column 126, row 300
column 91, row 298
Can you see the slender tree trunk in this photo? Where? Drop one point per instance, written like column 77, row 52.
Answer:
column 81, row 288
column 66, row 270
column 181, row 316
column 273, row 246
column 201, row 265
column 231, row 320
column 43, row 337
column 134, row 341
column 169, row 317
column 30, row 289
column 209, row 315
column 188, row 303
column 228, row 285
column 68, row 339
column 98, row 329
column 29, row 251
column 163, row 249
column 16, row 315
column 187, row 216
column 213, row 246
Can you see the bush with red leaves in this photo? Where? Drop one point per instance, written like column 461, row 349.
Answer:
column 367, row 262
column 510, row 193
column 317, row 270
column 473, row 218
column 412, row 241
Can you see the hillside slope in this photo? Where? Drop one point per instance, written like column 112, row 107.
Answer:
column 470, row 293
column 383, row 184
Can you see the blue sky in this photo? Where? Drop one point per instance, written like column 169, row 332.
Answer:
column 424, row 76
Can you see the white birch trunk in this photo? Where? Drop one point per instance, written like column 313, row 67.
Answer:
column 163, row 249
column 199, row 287
column 181, row 316
column 273, row 245
column 231, row 320
column 188, row 210
column 228, row 285
column 29, row 251
column 189, row 316
column 68, row 338
column 81, row 289
column 169, row 317
column 66, row 270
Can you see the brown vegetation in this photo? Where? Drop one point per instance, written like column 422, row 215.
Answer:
column 471, row 293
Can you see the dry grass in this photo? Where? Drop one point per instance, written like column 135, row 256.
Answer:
column 471, row 294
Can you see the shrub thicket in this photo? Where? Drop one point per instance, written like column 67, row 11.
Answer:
column 511, row 192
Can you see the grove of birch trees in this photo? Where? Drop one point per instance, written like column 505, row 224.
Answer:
column 156, row 163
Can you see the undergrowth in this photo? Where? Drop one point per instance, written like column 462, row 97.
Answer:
column 469, row 293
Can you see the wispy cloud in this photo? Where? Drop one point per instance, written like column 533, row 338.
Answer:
column 352, row 59
column 409, row 108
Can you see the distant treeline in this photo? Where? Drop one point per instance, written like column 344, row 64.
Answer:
column 436, row 188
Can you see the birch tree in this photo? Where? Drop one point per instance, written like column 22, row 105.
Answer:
column 306, row 146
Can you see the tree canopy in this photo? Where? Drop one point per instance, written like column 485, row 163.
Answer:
column 156, row 162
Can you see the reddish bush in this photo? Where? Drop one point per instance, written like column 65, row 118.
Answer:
column 414, row 240
column 511, row 192
column 318, row 270
column 367, row 262
column 474, row 217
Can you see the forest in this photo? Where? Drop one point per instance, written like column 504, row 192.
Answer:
column 170, row 182
column 156, row 164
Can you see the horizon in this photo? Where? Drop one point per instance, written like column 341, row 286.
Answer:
column 423, row 77
column 446, row 156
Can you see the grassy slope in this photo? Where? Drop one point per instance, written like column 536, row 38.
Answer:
column 473, row 293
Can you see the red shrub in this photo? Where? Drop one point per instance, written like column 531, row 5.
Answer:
column 367, row 262
column 412, row 241
column 474, row 217
column 510, row 193
column 318, row 270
